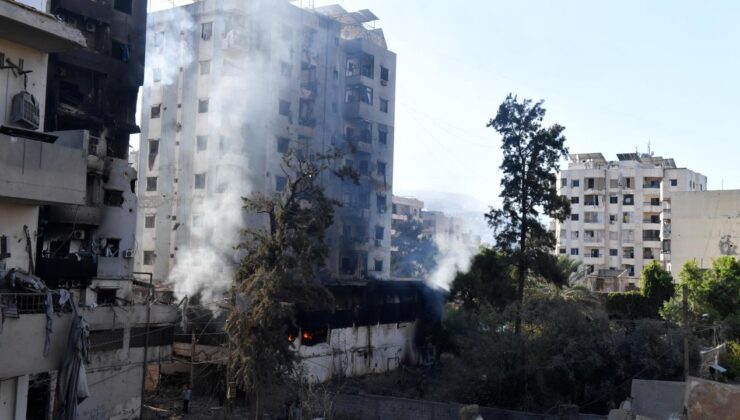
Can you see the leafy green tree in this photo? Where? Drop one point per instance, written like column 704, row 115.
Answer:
column 532, row 154
column 278, row 275
column 416, row 254
column 489, row 281
column 656, row 284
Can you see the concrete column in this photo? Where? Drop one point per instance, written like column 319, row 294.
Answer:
column 21, row 397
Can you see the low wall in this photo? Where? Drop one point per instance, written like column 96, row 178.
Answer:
column 376, row 407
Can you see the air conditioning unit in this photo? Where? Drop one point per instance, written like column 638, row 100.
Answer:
column 78, row 234
column 25, row 110
column 129, row 253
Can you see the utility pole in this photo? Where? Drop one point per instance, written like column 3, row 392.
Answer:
column 686, row 331
column 192, row 358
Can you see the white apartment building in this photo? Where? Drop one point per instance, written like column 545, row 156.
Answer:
column 620, row 214
column 230, row 87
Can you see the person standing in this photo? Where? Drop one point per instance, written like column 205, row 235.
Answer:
column 185, row 398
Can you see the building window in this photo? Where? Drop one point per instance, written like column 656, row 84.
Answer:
column 382, row 134
column 284, row 108
column 205, row 67
column 201, row 143
column 574, row 251
column 149, row 221
column 335, row 74
column 153, row 147
column 283, row 145
column 202, row 106
column 280, row 183
column 381, row 168
column 384, row 105
column 364, row 168
column 200, row 181
column 574, row 217
column 384, row 75
column 358, row 93
column 381, row 203
column 674, row 183
column 575, row 183
column 613, row 252
column 613, row 199
column 379, row 232
column 112, row 198
column 628, row 200
column 574, row 234
column 285, row 69
column 378, row 265
column 612, row 218
column 574, row 200
column 206, row 31
column 151, row 183
column 124, row 6
column 562, row 251
column 563, row 182
column 120, row 51
column 655, row 201
column 111, row 247
column 148, row 257
column 156, row 111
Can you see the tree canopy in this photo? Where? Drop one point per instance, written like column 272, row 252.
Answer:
column 416, row 254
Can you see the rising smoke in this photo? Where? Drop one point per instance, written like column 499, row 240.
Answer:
column 455, row 256
column 238, row 135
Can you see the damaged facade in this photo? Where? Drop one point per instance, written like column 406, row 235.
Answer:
column 305, row 79
column 620, row 215
column 69, row 299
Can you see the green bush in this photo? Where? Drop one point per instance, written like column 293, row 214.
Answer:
column 630, row 305
column 730, row 360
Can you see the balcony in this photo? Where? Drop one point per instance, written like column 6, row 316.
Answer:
column 66, row 268
column 37, row 30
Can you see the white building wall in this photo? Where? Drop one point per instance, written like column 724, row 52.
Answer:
column 11, row 84
column 614, row 221
column 705, row 225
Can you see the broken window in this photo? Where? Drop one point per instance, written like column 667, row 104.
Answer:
column 205, row 67
column 151, row 183
column 378, row 265
column 201, row 143
column 384, row 105
column 112, row 198
column 148, row 257
column 156, row 111
column 200, row 181
column 280, row 183
column 384, row 75
column 111, row 246
column 206, row 31
column 363, row 64
column 381, row 168
column 153, row 152
column 628, row 200
column 283, row 145
column 106, row 296
column 149, row 221
column 120, row 51
column 124, row 6
column 202, row 106
column 359, row 93
column 284, row 108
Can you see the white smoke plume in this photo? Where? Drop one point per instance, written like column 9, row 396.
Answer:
column 456, row 253
column 169, row 49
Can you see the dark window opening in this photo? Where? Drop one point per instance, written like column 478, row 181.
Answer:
column 379, row 232
column 562, row 251
column 124, row 6
column 202, row 106
column 574, row 217
column 149, row 221
column 113, row 198
column 628, row 200
column 381, row 168
column 106, row 296
column 613, row 252
column 200, row 181
column 655, row 201
column 574, row 251
column 384, row 105
column 378, row 265
column 284, row 108
column 111, row 248
column 148, row 257
column 156, row 111
column 120, row 51
column 280, row 183
column 206, row 31
column 384, row 75
column 674, row 183
column 382, row 136
column 359, row 93
column 381, row 203
column 574, row 200
column 201, row 143
column 613, row 199
column 151, row 183
column 106, row 340
column 283, row 145
column 575, row 183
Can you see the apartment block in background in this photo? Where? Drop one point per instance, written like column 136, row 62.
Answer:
column 620, row 215
column 244, row 82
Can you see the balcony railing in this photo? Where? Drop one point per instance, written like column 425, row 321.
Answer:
column 28, row 303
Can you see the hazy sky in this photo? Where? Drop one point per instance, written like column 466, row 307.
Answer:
column 616, row 74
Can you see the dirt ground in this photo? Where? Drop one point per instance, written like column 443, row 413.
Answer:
column 167, row 404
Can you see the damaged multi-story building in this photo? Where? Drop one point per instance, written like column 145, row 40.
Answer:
column 620, row 215
column 76, row 323
column 231, row 87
